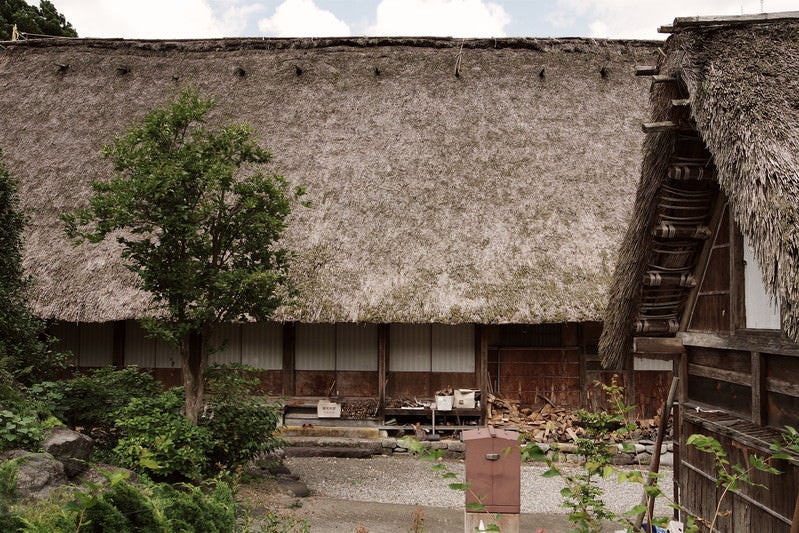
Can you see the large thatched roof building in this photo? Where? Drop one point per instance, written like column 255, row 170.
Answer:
column 461, row 182
column 708, row 274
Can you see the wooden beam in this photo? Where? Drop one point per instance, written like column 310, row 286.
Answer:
column 646, row 70
column 666, row 29
column 773, row 344
column 719, row 374
column 382, row 367
column 702, row 264
column 780, row 386
column 481, row 360
column 680, row 102
column 727, row 20
column 758, row 388
column 118, row 344
column 657, row 345
column 289, row 344
column 655, row 127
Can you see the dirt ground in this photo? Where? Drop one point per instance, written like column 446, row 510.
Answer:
column 334, row 515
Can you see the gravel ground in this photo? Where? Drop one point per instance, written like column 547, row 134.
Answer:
column 412, row 481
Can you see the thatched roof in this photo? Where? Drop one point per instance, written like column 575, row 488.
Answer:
column 744, row 98
column 495, row 195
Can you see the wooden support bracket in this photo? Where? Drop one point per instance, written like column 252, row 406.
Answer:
column 681, row 102
column 646, row 70
column 663, row 78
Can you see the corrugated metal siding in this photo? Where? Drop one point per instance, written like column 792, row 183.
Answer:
column 166, row 355
column 410, row 348
column 356, row 346
column 640, row 363
column 68, row 339
column 96, row 344
column 226, row 345
column 262, row 345
column 315, row 347
column 453, row 348
column 139, row 349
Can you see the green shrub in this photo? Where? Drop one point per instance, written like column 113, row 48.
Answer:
column 157, row 439
column 241, row 424
column 19, row 430
column 89, row 401
column 207, row 508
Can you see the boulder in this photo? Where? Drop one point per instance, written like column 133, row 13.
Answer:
column 71, row 448
column 37, row 473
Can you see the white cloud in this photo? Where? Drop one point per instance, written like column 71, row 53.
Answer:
column 235, row 16
column 303, row 18
column 639, row 19
column 142, row 19
column 452, row 18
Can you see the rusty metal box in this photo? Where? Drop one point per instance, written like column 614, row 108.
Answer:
column 493, row 469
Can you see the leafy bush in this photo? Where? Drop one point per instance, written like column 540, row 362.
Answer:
column 241, row 425
column 123, row 507
column 19, row 430
column 159, row 440
column 89, row 401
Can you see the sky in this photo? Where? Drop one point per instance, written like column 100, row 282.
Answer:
column 183, row 19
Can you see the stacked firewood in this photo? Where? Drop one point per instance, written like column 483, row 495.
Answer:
column 359, row 409
column 549, row 423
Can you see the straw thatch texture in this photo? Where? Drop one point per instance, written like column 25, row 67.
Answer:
column 745, row 101
column 497, row 195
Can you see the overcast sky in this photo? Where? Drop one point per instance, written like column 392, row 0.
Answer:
column 156, row 19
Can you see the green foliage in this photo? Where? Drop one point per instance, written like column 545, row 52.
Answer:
column 272, row 522
column 22, row 353
column 582, row 494
column 122, row 507
column 201, row 237
column 44, row 20
column 241, row 424
column 90, row 400
column 159, row 440
column 19, row 431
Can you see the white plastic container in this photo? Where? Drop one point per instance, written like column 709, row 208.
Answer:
column 444, row 403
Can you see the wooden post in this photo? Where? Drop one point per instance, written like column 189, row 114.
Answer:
column 382, row 368
column 758, row 388
column 118, row 345
column 289, row 344
column 481, row 365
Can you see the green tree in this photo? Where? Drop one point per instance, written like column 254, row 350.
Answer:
column 22, row 353
column 201, row 237
column 42, row 20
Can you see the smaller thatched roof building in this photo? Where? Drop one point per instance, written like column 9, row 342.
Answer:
column 729, row 86
column 450, row 181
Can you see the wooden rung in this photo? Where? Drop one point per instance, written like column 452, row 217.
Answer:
column 670, row 231
column 656, row 326
column 646, row 70
column 663, row 78
column 652, row 127
column 682, row 102
column 689, row 172
column 657, row 279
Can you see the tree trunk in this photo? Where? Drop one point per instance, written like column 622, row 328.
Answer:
column 193, row 364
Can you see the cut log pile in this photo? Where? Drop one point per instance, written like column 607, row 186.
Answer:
column 550, row 423
column 359, row 409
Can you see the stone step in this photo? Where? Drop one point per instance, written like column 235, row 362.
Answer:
column 330, row 431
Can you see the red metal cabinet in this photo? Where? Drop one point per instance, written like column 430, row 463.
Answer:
column 493, row 469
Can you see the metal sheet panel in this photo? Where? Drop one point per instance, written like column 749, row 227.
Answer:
column 68, row 339
column 453, row 348
column 96, row 344
column 139, row 349
column 225, row 345
column 166, row 355
column 262, row 345
column 315, row 347
column 356, row 347
column 410, row 348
